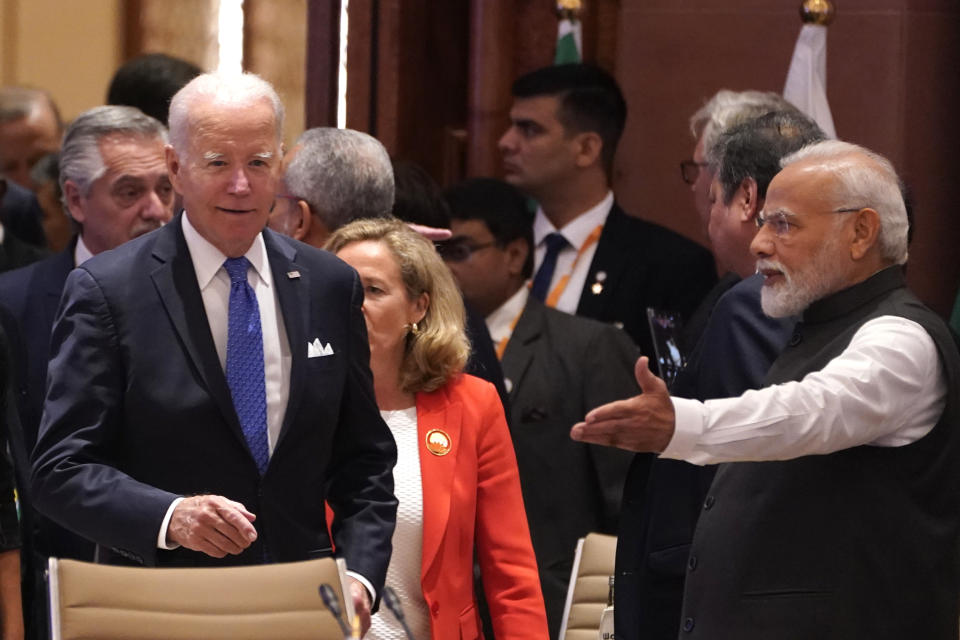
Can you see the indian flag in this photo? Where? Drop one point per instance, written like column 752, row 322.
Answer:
column 569, row 47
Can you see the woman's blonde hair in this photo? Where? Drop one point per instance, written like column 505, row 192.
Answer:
column 439, row 348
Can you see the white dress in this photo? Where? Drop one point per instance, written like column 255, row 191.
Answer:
column 403, row 573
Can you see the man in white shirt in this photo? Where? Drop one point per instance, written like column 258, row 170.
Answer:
column 209, row 389
column 591, row 258
column 837, row 516
column 558, row 366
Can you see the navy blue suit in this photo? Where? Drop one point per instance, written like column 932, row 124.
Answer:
column 663, row 500
column 31, row 294
column 138, row 412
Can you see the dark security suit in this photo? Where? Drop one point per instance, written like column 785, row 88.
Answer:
column 560, row 367
column 661, row 506
column 138, row 412
column 643, row 265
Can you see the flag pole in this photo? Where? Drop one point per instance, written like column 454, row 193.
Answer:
column 806, row 85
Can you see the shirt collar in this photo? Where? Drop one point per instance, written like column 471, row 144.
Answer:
column 208, row 260
column 81, row 253
column 500, row 319
column 577, row 230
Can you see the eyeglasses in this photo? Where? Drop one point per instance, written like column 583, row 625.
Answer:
column 459, row 250
column 782, row 222
column 690, row 170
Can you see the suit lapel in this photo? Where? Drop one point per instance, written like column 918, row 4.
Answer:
column 520, row 350
column 609, row 260
column 176, row 284
column 434, row 411
column 292, row 282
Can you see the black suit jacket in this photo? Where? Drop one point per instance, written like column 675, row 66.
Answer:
column 31, row 295
column 138, row 412
column 663, row 500
column 560, row 367
column 15, row 253
column 643, row 265
column 21, row 214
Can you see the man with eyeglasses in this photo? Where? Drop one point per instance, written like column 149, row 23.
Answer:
column 724, row 110
column 733, row 353
column 834, row 512
column 558, row 367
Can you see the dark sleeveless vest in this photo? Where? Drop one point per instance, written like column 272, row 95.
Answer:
column 861, row 543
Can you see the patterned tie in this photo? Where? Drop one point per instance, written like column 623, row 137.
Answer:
column 541, row 282
column 245, row 361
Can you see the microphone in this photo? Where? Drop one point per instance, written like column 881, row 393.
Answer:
column 329, row 598
column 393, row 603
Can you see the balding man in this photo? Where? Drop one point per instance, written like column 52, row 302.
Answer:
column 834, row 513
column 733, row 353
column 209, row 388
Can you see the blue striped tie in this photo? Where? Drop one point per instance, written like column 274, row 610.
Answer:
column 245, row 361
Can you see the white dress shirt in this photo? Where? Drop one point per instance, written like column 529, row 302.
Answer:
column 81, row 253
column 576, row 232
column 502, row 321
column 886, row 389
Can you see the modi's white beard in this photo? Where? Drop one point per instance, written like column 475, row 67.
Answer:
column 820, row 277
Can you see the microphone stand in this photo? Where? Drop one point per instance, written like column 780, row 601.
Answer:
column 393, row 603
column 329, row 598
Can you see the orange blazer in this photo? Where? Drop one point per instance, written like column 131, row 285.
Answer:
column 472, row 501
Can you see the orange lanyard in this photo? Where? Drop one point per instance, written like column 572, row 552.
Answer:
column 558, row 290
column 502, row 345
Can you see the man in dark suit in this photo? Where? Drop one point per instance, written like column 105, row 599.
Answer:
column 591, row 258
column 21, row 215
column 114, row 177
column 556, row 366
column 662, row 504
column 209, row 388
column 115, row 184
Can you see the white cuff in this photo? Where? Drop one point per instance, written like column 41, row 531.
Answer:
column 162, row 537
column 366, row 584
column 690, row 416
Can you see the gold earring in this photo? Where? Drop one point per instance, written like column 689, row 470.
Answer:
column 413, row 328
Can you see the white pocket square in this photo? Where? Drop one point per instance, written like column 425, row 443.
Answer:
column 317, row 349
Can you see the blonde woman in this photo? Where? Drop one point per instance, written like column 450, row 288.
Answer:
column 456, row 476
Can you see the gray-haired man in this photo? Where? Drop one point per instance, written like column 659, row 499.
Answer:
column 331, row 177
column 115, row 187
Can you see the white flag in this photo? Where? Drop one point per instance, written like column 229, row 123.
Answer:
column 806, row 86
